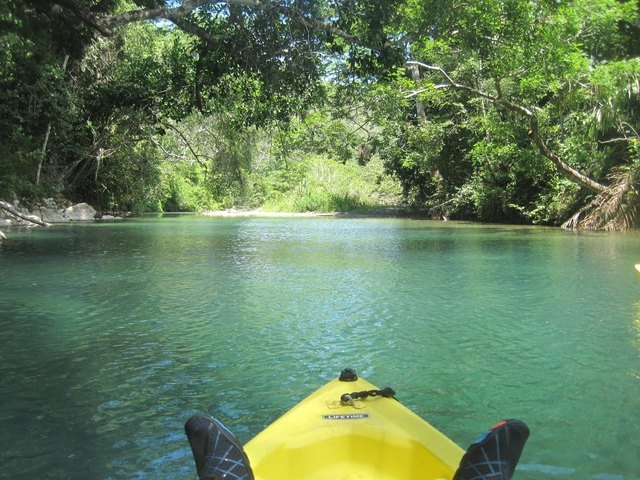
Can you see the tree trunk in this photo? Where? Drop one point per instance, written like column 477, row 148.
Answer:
column 43, row 150
column 564, row 168
column 416, row 76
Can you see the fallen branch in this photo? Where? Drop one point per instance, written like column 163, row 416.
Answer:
column 11, row 211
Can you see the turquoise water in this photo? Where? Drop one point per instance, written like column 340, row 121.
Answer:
column 113, row 334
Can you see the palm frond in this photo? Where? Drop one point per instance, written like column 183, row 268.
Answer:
column 617, row 208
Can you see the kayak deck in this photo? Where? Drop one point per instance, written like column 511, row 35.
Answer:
column 371, row 438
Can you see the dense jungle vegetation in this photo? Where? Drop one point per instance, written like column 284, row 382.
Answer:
column 521, row 111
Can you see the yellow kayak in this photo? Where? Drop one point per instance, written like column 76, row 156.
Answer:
column 351, row 430
column 377, row 437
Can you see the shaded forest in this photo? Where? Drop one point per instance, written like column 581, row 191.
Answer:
column 515, row 111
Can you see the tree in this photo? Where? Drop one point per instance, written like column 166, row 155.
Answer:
column 35, row 102
column 235, row 40
column 509, row 110
column 543, row 63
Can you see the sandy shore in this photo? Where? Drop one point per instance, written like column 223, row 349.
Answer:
column 383, row 212
column 262, row 213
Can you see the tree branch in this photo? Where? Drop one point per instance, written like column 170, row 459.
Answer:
column 9, row 209
column 178, row 14
column 107, row 24
column 534, row 132
column 82, row 12
column 188, row 144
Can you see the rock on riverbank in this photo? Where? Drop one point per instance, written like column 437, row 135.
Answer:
column 50, row 212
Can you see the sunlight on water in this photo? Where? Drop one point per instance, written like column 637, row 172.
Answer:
column 113, row 334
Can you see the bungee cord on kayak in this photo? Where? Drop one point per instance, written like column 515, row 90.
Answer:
column 349, row 398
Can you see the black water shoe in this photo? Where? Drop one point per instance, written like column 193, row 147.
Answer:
column 495, row 454
column 217, row 453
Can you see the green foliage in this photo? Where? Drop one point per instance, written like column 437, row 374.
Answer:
column 257, row 60
column 35, row 97
column 296, row 116
column 319, row 184
column 183, row 188
column 508, row 181
column 146, row 69
column 372, row 23
column 566, row 61
column 122, row 180
column 319, row 133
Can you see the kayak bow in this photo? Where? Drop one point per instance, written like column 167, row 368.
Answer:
column 374, row 437
column 350, row 430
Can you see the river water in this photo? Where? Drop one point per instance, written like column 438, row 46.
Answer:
column 113, row 334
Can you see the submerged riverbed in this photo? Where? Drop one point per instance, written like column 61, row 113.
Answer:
column 113, row 334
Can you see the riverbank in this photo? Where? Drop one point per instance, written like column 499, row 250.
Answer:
column 51, row 212
column 44, row 214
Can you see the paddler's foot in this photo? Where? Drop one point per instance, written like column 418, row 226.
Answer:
column 217, row 453
column 495, row 454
